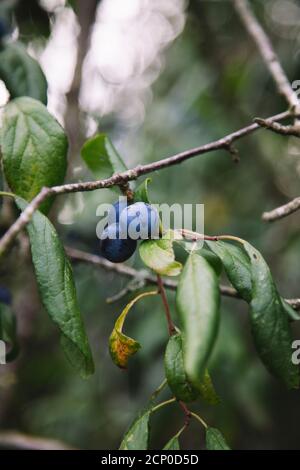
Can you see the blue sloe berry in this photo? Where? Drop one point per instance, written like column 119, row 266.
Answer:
column 115, row 212
column 140, row 221
column 113, row 247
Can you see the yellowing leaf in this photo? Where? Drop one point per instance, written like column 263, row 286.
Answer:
column 122, row 347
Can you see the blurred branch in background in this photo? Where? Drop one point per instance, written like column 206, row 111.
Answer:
column 282, row 211
column 267, row 52
column 284, row 88
column 16, row 440
column 123, row 270
column 86, row 12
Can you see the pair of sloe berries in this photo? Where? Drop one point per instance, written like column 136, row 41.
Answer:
column 125, row 225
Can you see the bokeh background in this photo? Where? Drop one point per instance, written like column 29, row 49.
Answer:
column 159, row 77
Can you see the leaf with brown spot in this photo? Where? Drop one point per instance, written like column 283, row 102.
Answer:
column 122, row 347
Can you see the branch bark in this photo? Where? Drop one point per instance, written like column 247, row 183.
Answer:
column 121, row 179
column 127, row 271
column 282, row 211
column 267, row 53
column 293, row 130
column 86, row 12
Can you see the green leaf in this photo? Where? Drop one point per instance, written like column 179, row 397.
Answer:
column 21, row 73
column 8, row 332
column 212, row 259
column 269, row 313
column 269, row 322
column 122, row 347
column 207, row 390
column 238, row 270
column 137, row 436
column 141, row 193
column 159, row 255
column 197, row 247
column 215, row 440
column 175, row 373
column 237, row 266
column 177, row 379
column 101, row 157
column 57, row 289
column 34, row 148
column 173, row 444
column 198, row 300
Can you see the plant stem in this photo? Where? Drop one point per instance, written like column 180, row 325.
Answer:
column 186, row 411
column 162, row 404
column 158, row 390
column 180, row 431
column 198, row 418
column 171, row 326
column 230, row 237
column 194, row 236
column 4, row 193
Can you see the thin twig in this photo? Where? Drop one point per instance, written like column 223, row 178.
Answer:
column 121, row 179
column 119, row 268
column 293, row 130
column 171, row 326
column 187, row 412
column 198, row 418
column 86, row 13
column 127, row 271
column 267, row 53
column 282, row 211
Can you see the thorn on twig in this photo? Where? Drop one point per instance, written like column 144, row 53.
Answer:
column 274, row 126
column 233, row 151
column 126, row 191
